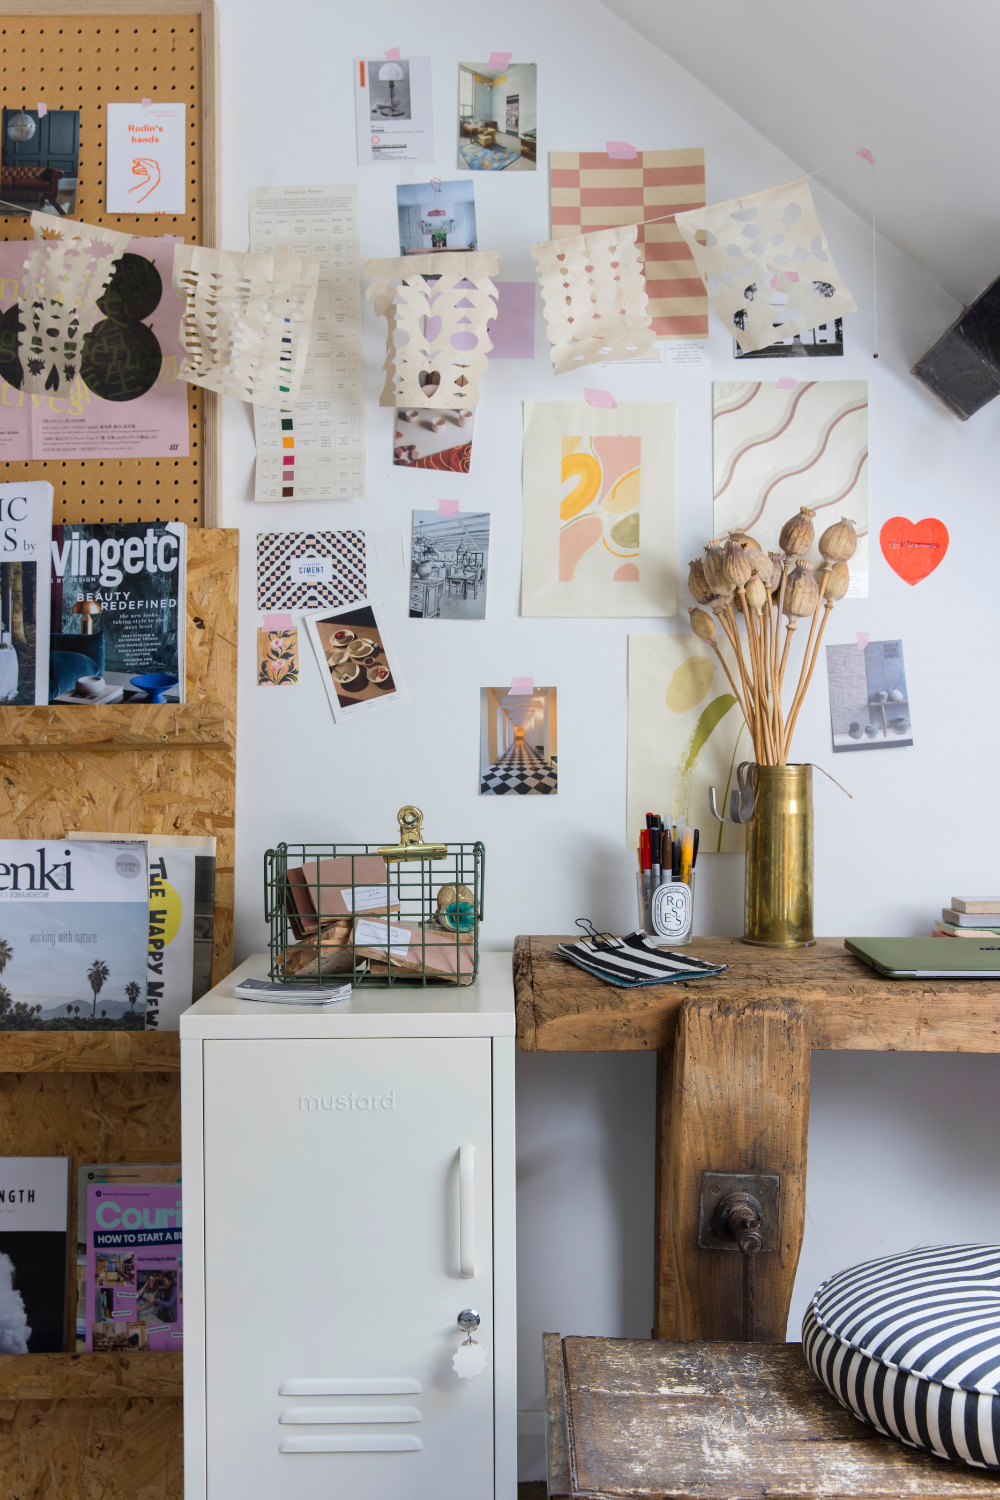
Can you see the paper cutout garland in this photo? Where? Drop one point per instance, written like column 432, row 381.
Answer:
column 67, row 270
column 437, row 339
column 595, row 298
column 246, row 321
column 767, row 265
column 913, row 549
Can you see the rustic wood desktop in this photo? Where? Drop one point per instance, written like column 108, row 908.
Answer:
column 733, row 1059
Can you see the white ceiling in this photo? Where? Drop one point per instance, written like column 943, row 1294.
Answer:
column 913, row 80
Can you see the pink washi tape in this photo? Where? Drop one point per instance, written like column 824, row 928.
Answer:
column 277, row 622
column 41, row 109
column 447, row 507
column 499, row 60
column 521, row 686
column 786, row 383
column 145, row 103
column 599, row 398
column 393, row 54
column 862, row 639
column 620, row 150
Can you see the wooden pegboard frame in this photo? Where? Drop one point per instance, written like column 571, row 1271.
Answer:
column 73, row 58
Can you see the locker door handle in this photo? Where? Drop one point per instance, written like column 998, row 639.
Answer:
column 467, row 1211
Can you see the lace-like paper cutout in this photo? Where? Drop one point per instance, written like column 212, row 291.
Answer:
column 595, row 298
column 767, row 265
column 437, row 342
column 246, row 321
column 66, row 271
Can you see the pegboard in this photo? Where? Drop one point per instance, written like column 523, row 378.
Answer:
column 78, row 61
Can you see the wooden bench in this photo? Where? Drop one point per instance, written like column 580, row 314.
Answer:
column 700, row 1421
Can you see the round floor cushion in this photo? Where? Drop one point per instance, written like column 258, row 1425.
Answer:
column 911, row 1345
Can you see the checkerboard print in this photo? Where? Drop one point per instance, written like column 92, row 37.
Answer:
column 275, row 551
column 591, row 190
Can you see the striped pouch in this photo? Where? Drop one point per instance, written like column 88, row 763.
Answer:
column 633, row 961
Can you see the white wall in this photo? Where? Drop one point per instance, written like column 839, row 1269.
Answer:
column 903, row 1147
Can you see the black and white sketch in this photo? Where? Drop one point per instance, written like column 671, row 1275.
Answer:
column 449, row 558
column 869, row 703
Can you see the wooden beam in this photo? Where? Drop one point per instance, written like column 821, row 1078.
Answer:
column 90, row 1052
column 740, row 1104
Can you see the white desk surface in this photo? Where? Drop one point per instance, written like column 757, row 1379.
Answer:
column 485, row 1008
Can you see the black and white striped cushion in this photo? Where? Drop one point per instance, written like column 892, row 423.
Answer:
column 911, row 1345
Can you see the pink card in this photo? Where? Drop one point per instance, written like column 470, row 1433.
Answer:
column 513, row 328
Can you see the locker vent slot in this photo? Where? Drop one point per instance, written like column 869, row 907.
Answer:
column 314, row 1415
column 377, row 1443
column 352, row 1385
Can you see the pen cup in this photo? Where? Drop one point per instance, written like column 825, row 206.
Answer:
column 673, row 913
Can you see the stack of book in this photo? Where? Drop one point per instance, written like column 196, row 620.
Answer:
column 968, row 919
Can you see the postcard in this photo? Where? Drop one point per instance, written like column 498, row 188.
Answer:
column 357, row 663
column 436, row 216
column 518, row 750
column 427, row 437
column 310, row 569
column 497, row 117
column 41, row 152
column 146, row 156
column 869, row 705
column 449, row 558
column 395, row 110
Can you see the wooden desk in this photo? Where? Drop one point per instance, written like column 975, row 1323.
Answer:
column 733, row 1085
column 638, row 1419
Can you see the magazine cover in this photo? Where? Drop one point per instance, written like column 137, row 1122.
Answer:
column 34, row 1244
column 25, row 530
column 118, row 612
column 132, row 1173
column 74, row 933
column 181, row 922
column 134, row 1266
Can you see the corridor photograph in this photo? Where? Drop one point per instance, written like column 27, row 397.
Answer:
column 518, row 749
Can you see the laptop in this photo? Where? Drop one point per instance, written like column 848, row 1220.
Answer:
column 930, row 958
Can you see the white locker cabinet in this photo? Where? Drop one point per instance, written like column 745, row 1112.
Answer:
column 348, row 1192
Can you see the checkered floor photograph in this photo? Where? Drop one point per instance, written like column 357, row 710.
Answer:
column 521, row 770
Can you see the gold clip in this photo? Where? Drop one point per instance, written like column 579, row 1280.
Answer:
column 411, row 843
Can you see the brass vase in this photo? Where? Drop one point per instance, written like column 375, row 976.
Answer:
column 778, row 901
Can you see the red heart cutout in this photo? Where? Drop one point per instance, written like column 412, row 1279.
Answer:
column 913, row 549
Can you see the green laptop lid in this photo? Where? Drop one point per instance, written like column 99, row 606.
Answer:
column 930, row 958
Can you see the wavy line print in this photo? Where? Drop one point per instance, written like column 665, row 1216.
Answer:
column 768, row 437
column 804, row 468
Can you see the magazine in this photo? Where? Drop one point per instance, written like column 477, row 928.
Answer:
column 74, row 932
column 34, row 1245
column 118, row 612
column 25, row 530
column 134, row 1267
column 181, row 922
column 133, row 1173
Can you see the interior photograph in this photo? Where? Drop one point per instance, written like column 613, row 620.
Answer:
column 473, row 653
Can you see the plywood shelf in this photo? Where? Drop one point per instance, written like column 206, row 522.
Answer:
column 90, row 1052
column 90, row 1377
column 115, row 724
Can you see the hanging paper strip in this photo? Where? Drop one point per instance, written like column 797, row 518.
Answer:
column 595, row 298
column 246, row 321
column 437, row 314
column 66, row 271
column 597, row 190
column 767, row 265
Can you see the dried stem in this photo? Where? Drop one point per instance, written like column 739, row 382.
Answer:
column 800, row 689
column 795, row 710
column 736, row 691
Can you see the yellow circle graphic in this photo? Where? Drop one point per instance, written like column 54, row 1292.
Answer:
column 166, row 903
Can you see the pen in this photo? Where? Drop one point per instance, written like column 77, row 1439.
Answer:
column 647, row 876
column 675, row 862
column 666, row 855
column 687, row 848
column 694, row 852
column 654, row 854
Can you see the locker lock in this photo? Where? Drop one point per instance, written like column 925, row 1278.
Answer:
column 468, row 1320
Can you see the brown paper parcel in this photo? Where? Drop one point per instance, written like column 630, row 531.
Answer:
column 767, row 265
column 437, row 342
column 414, row 949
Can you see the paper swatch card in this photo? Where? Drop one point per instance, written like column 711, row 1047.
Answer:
column 395, row 111
column 145, row 156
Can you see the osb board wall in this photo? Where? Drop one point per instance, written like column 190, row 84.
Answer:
column 157, row 788
column 84, row 63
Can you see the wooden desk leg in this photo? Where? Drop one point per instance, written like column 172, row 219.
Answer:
column 664, row 1274
column 739, row 1103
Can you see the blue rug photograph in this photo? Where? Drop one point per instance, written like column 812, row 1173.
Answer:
column 486, row 159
